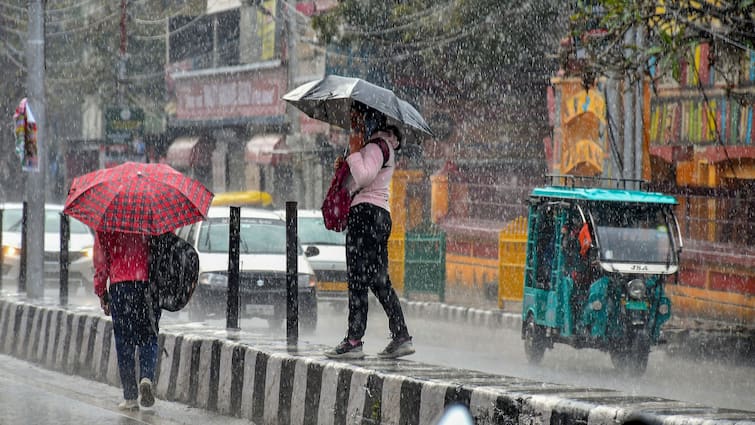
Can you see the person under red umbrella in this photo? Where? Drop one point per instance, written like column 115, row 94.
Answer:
column 126, row 205
column 123, row 260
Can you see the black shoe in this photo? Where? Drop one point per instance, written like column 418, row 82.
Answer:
column 398, row 347
column 345, row 350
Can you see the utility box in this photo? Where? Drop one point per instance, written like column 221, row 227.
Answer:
column 425, row 264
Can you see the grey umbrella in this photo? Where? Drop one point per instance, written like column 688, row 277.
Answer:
column 330, row 99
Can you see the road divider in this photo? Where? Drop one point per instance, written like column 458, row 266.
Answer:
column 262, row 379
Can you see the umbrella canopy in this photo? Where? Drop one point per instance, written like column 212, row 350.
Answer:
column 330, row 99
column 136, row 197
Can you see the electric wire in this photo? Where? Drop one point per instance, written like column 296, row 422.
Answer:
column 80, row 5
column 79, row 30
column 13, row 7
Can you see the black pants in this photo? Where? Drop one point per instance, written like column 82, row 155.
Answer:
column 367, row 268
column 133, row 330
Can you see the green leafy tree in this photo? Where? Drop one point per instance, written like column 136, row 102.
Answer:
column 670, row 29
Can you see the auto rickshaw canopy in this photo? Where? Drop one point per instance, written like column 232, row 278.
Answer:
column 605, row 195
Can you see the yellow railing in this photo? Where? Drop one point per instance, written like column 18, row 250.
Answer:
column 512, row 250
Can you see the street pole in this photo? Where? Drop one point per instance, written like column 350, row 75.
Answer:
column 628, row 94
column 639, row 132
column 35, row 187
column 292, row 67
column 615, row 125
column 122, row 54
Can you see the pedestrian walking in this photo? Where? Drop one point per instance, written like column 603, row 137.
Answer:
column 126, row 205
column 369, row 226
column 123, row 260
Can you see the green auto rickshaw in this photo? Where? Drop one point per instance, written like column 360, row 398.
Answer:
column 596, row 265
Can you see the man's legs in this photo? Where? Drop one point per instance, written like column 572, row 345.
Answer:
column 126, row 366
column 148, row 359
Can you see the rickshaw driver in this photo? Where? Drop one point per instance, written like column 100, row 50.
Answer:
column 576, row 242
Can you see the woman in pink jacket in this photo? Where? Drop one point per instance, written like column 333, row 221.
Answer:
column 369, row 227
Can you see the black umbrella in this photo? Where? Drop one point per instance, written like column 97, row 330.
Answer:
column 330, row 99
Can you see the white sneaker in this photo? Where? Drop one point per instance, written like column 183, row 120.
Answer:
column 147, row 398
column 397, row 348
column 128, row 405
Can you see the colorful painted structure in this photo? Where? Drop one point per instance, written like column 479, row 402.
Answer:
column 698, row 148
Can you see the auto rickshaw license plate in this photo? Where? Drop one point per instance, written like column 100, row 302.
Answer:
column 260, row 309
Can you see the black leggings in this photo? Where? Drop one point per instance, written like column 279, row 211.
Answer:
column 367, row 268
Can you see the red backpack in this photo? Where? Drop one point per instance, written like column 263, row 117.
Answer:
column 335, row 206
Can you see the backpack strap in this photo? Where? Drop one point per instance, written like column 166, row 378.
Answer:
column 383, row 148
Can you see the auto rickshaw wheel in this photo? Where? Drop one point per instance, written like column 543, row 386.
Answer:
column 534, row 340
column 632, row 358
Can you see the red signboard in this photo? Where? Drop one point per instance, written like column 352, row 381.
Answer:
column 254, row 93
column 309, row 125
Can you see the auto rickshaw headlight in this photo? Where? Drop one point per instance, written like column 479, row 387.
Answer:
column 636, row 289
column 663, row 309
column 596, row 305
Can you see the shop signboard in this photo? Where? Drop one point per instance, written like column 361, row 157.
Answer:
column 123, row 124
column 252, row 93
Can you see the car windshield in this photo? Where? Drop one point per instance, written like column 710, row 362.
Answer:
column 12, row 222
column 257, row 236
column 11, row 218
column 636, row 233
column 312, row 231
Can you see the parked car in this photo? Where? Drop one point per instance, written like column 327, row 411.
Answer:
column 80, row 246
column 330, row 263
column 262, row 260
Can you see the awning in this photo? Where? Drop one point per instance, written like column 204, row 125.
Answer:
column 179, row 153
column 217, row 6
column 266, row 149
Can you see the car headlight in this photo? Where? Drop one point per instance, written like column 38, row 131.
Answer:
column 636, row 289
column 213, row 279
column 307, row 281
column 11, row 251
column 87, row 252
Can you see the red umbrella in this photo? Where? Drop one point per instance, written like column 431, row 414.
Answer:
column 137, row 198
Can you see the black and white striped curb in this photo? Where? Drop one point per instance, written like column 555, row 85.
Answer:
column 463, row 315
column 262, row 379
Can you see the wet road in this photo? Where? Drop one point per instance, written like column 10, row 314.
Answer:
column 31, row 395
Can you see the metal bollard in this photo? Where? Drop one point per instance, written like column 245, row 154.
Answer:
column 234, row 236
column 292, row 274
column 65, row 237
column 22, row 259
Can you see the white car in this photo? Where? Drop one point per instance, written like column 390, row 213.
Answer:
column 330, row 263
column 262, row 264
column 80, row 246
